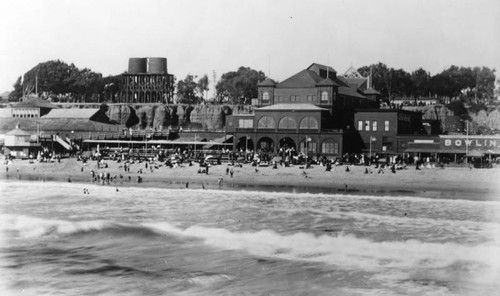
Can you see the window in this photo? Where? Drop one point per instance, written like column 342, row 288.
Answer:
column 266, row 122
column 294, row 98
column 387, row 143
column 265, row 96
column 330, row 147
column 308, row 123
column 309, row 98
column 278, row 98
column 245, row 123
column 287, row 123
column 374, row 126
column 367, row 125
column 360, row 125
column 324, row 96
column 386, row 125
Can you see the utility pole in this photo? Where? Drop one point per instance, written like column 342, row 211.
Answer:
column 214, row 77
column 466, row 142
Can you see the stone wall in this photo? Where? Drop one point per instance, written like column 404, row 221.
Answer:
column 157, row 116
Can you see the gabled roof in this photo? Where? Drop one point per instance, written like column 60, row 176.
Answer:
column 18, row 132
column 292, row 106
column 342, row 81
column 352, row 73
column 305, row 78
column 358, row 82
column 267, row 82
column 322, row 67
column 327, row 82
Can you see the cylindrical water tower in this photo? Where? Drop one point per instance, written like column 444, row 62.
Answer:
column 147, row 81
column 137, row 65
column 157, row 65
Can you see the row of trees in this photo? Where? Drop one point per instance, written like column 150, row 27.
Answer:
column 238, row 87
column 467, row 83
column 63, row 82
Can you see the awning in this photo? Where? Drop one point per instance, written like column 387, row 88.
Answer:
column 153, row 142
column 423, row 150
column 475, row 153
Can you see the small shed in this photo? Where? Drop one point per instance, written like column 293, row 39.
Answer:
column 17, row 143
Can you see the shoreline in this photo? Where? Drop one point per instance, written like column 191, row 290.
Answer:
column 459, row 183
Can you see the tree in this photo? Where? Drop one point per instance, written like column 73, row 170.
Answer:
column 240, row 86
column 57, row 77
column 381, row 78
column 202, row 86
column 453, row 82
column 18, row 91
column 187, row 90
column 401, row 83
column 485, row 83
column 458, row 109
column 420, row 82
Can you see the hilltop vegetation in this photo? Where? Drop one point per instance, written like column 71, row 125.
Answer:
column 62, row 82
column 66, row 82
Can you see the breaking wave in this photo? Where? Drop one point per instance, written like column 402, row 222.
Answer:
column 342, row 250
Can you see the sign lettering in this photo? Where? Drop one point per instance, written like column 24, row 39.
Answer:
column 462, row 144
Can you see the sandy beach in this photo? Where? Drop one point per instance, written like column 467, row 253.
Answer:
column 471, row 183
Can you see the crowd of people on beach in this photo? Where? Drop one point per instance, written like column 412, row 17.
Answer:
column 102, row 167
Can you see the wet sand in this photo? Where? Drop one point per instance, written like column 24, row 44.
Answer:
column 435, row 182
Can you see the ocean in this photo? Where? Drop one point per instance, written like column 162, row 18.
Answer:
column 56, row 240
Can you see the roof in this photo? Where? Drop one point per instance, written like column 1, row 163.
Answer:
column 321, row 67
column 267, row 82
column 35, row 102
column 5, row 94
column 327, row 82
column 305, row 78
column 386, row 111
column 18, row 132
column 71, row 113
column 347, row 91
column 423, row 150
column 371, row 91
column 297, row 107
column 358, row 82
column 309, row 79
column 352, row 73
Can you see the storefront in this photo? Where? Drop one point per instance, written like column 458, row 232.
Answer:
column 476, row 149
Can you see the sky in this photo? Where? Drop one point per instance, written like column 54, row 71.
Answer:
column 278, row 37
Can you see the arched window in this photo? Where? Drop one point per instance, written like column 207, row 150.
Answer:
column 308, row 123
column 266, row 122
column 324, row 96
column 287, row 123
column 265, row 96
